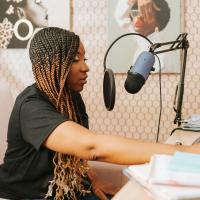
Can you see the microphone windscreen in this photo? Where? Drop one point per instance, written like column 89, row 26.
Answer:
column 134, row 82
column 109, row 89
column 139, row 72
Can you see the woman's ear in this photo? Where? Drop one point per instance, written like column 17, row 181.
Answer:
column 20, row 13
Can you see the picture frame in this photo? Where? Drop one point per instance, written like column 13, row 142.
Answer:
column 20, row 19
column 125, row 52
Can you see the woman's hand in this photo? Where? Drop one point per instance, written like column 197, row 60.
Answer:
column 145, row 8
column 132, row 2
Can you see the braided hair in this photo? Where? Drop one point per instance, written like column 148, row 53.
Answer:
column 52, row 51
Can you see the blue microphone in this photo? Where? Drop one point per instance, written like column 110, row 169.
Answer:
column 139, row 72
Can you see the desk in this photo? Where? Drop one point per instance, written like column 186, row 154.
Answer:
column 132, row 191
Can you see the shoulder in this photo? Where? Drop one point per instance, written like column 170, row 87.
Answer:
column 32, row 95
column 32, row 102
column 30, row 92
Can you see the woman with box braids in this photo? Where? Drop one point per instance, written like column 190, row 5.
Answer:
column 52, row 52
column 49, row 142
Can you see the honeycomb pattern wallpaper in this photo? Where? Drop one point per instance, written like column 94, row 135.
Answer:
column 134, row 116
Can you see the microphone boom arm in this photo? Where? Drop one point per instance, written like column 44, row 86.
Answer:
column 180, row 43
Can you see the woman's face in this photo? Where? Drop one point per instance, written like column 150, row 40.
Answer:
column 36, row 13
column 77, row 76
column 142, row 27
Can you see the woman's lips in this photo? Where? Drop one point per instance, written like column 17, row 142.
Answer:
column 138, row 23
column 83, row 81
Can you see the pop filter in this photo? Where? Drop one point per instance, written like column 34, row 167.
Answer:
column 109, row 80
column 109, row 89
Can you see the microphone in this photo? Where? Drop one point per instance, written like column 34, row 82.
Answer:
column 139, row 72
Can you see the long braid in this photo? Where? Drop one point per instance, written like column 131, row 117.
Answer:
column 52, row 51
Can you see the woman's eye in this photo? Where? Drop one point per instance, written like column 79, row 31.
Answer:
column 76, row 59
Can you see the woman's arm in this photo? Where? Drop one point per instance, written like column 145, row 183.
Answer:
column 71, row 138
column 194, row 148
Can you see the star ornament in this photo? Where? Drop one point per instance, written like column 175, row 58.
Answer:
column 17, row 1
column 10, row 10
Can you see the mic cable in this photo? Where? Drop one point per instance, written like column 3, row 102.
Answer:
column 160, row 92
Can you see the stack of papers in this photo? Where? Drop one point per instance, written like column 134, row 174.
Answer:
column 169, row 177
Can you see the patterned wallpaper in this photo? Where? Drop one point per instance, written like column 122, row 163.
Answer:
column 133, row 115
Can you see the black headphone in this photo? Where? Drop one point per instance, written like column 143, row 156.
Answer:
column 109, row 80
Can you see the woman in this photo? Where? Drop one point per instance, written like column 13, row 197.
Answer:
column 48, row 138
column 36, row 12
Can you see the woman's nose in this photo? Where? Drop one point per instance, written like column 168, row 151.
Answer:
column 85, row 67
column 43, row 7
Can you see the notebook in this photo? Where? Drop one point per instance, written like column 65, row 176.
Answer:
column 165, row 180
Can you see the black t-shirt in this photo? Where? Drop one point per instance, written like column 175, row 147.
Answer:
column 28, row 165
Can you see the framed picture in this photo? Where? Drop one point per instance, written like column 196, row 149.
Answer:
column 165, row 25
column 20, row 19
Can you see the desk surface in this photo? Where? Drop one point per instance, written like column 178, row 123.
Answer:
column 132, row 191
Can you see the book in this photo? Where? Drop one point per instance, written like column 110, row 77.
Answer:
column 163, row 182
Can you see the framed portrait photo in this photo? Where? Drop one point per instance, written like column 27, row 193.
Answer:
column 20, row 19
column 163, row 25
